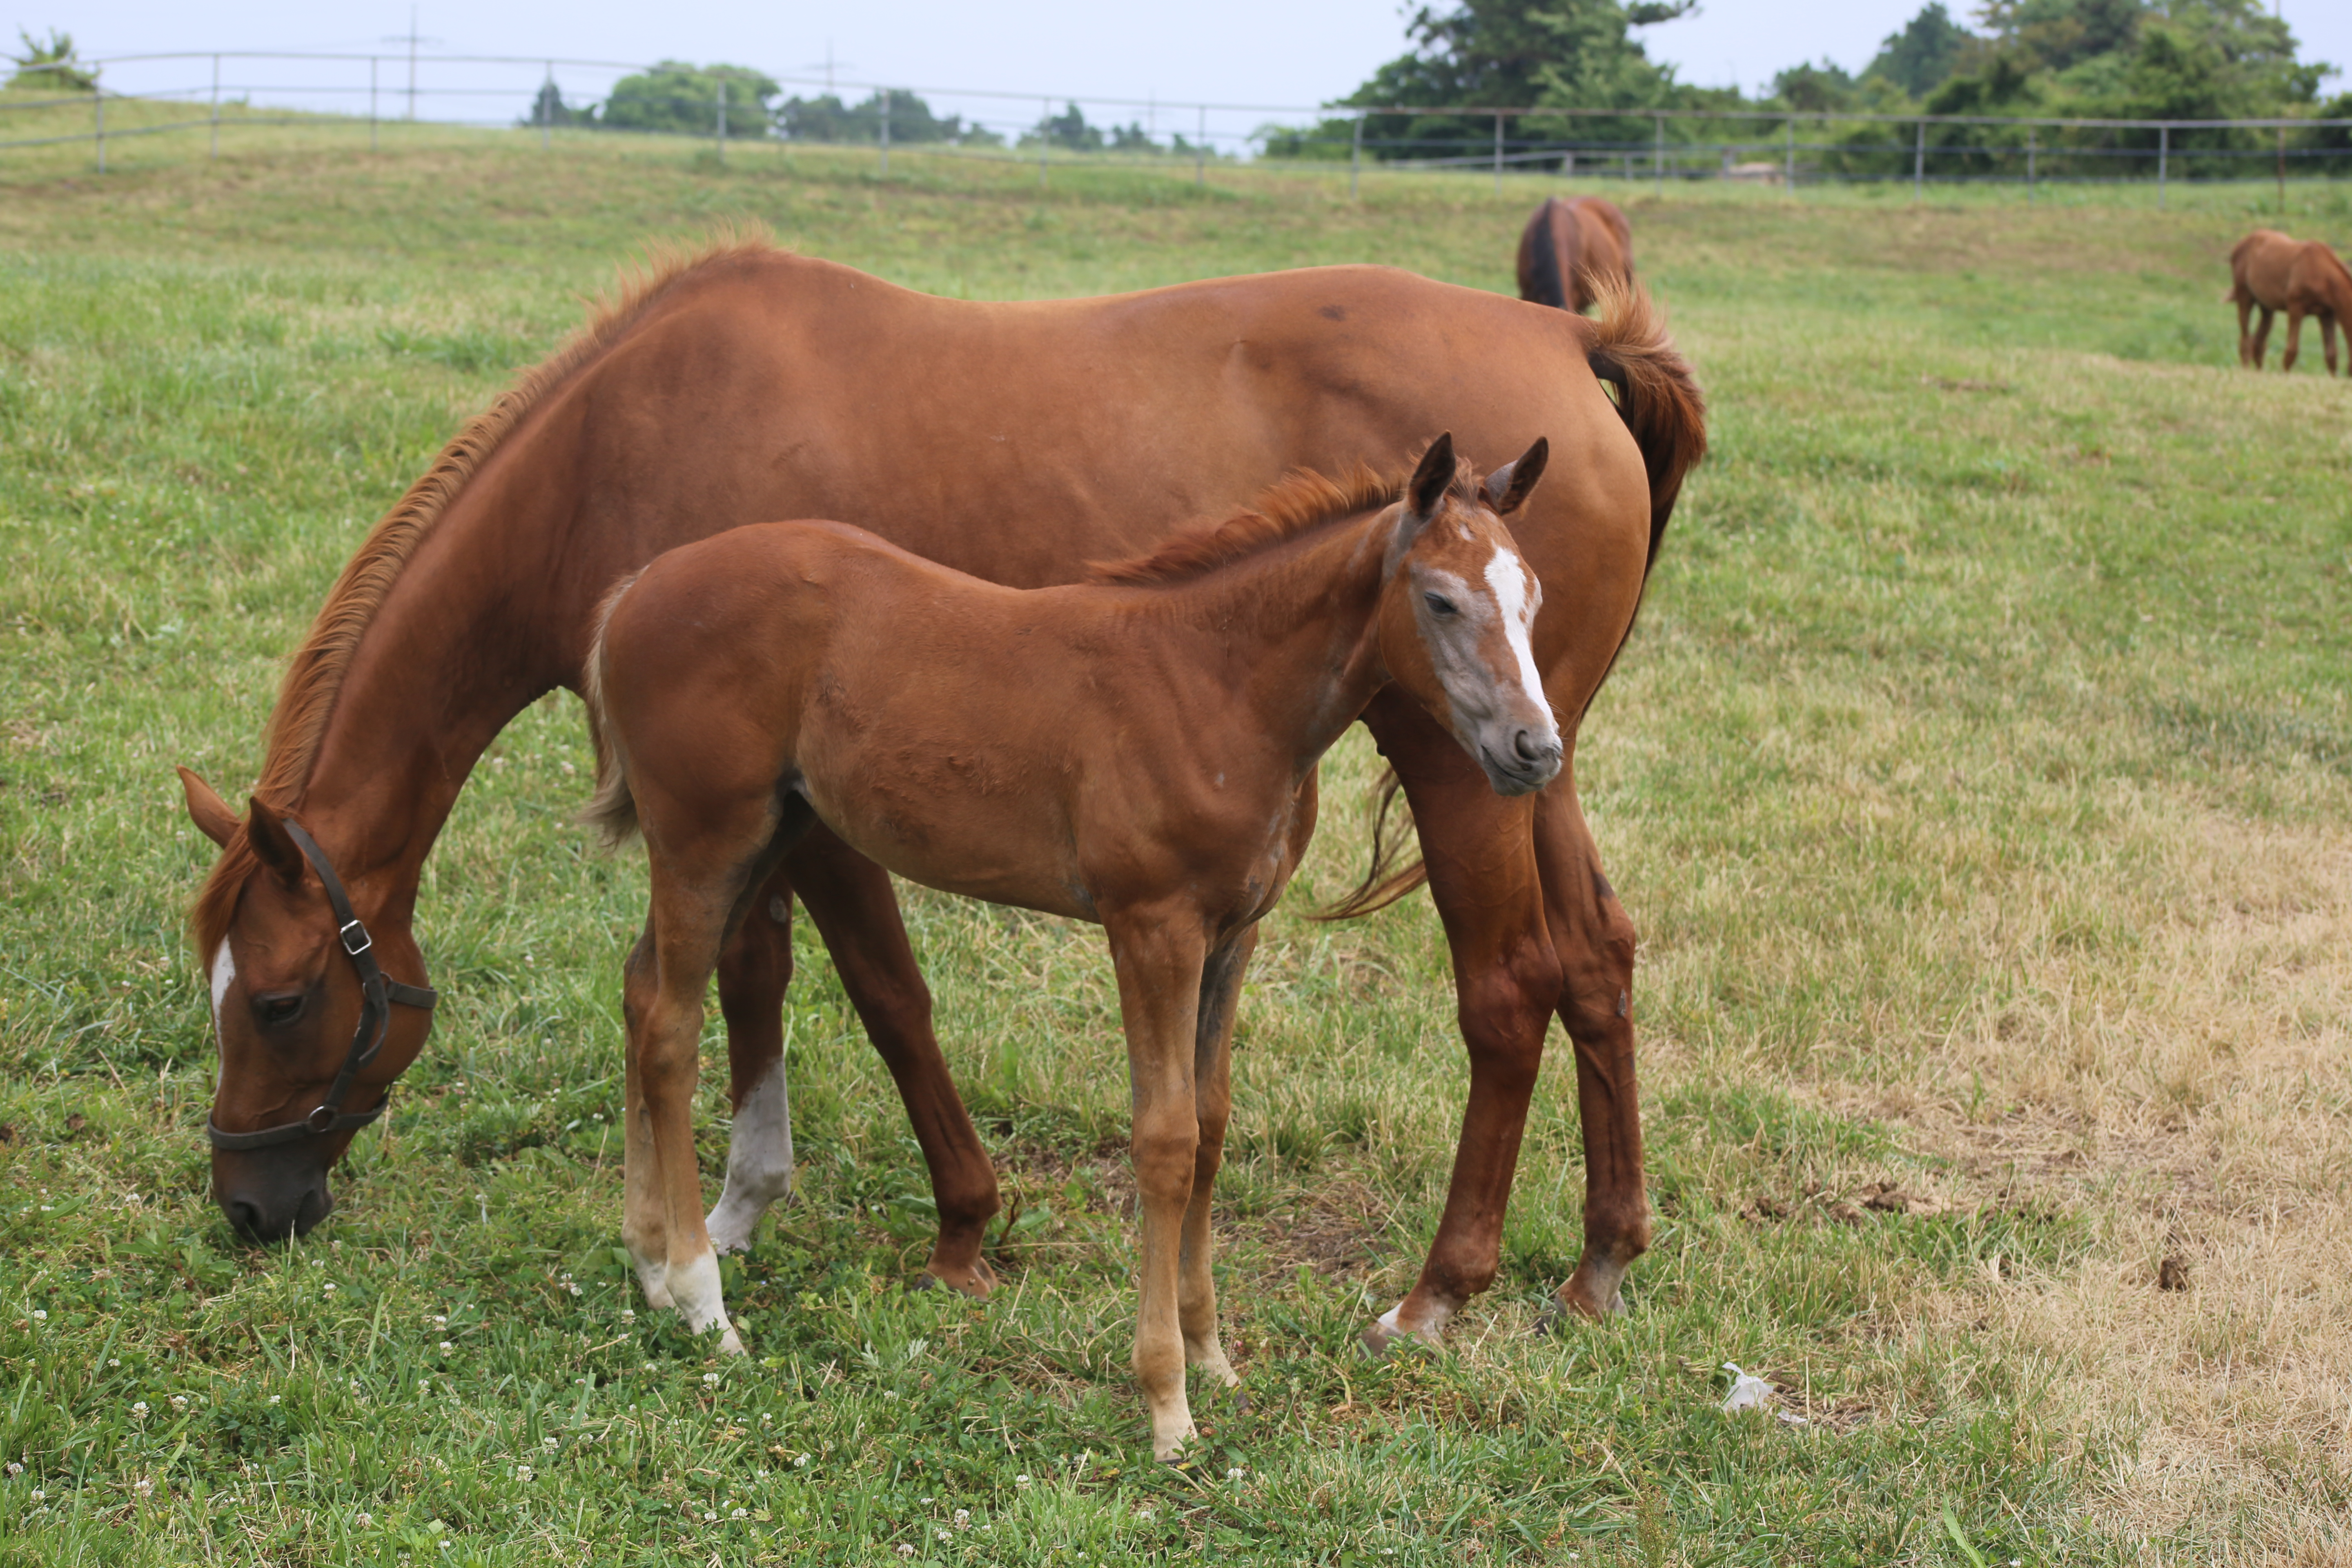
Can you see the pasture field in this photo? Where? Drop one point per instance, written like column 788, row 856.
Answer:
column 1980, row 776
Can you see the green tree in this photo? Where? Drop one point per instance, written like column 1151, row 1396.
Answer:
column 549, row 109
column 1923, row 54
column 1067, row 130
column 52, row 65
column 677, row 97
column 825, row 119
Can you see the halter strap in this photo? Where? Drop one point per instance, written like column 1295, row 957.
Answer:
column 378, row 991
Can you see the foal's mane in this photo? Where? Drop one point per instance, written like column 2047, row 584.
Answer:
column 1299, row 501
column 314, row 678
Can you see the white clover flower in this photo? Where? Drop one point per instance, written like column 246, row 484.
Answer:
column 140, row 1409
column 39, row 1494
column 628, row 1314
column 572, row 1287
column 367, row 1521
column 801, row 1463
column 1144, row 1514
column 447, row 1347
column 905, row 1550
column 15, row 1469
column 326, row 1289
column 963, row 1519
column 440, row 1320
column 523, row 1472
column 925, row 1501
column 711, row 1378
column 114, row 1361
column 179, row 1401
column 943, row 1535
column 741, row 1513
column 1235, row 1473
column 1020, row 1481
column 709, row 1517
column 143, row 1486
column 548, row 1443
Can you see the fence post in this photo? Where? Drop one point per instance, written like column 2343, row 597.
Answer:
column 216, row 152
column 718, row 93
column 2281, row 171
column 1201, row 152
column 885, row 132
column 1498, row 152
column 546, row 108
column 1790, row 177
column 1658, row 155
column 1919, row 163
column 2031, row 139
column 1356, row 156
column 98, row 98
column 2163, row 157
column 1045, row 118
column 372, row 114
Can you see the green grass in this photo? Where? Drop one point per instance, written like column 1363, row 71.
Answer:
column 1978, row 777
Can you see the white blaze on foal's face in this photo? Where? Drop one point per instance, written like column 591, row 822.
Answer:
column 1476, row 624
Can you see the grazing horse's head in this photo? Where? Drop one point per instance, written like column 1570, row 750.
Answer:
column 311, row 1033
column 1457, row 610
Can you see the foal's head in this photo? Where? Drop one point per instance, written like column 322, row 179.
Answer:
column 1456, row 614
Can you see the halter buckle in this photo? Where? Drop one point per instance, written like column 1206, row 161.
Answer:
column 354, row 946
column 322, row 1120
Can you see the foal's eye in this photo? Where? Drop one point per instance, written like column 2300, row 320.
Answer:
column 282, row 1009
column 1439, row 604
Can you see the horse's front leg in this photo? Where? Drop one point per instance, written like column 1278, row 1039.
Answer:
column 2262, row 336
column 2293, row 338
column 755, row 972
column 1212, row 1100
column 856, row 912
column 1483, row 876
column 2327, row 339
column 1159, row 956
column 2245, row 337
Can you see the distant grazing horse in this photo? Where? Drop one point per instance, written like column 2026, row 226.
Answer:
column 1571, row 251
column 1139, row 752
column 1015, row 442
column 2301, row 276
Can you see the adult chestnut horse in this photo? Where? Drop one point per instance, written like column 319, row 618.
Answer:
column 1015, row 442
column 1572, row 250
column 2301, row 277
column 1136, row 751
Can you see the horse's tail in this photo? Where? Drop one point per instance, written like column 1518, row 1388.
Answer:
column 1657, row 395
column 1543, row 281
column 612, row 809
column 1661, row 404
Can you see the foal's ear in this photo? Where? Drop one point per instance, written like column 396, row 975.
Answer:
column 266, row 831
column 207, row 810
column 1430, row 481
column 1508, row 486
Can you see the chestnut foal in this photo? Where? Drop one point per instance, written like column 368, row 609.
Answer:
column 1138, row 751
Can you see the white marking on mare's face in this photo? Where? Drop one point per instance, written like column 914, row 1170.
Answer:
column 224, row 976
column 1508, row 576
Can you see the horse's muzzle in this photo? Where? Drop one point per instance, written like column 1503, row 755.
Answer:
column 273, row 1202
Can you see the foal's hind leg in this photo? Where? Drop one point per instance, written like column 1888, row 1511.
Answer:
column 1212, row 1103
column 754, row 972
column 644, row 1214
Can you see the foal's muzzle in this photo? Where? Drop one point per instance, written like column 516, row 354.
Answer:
column 1532, row 762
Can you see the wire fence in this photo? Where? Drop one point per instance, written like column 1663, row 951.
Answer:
column 1779, row 147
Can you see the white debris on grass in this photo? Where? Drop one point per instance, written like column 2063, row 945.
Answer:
column 1746, row 1392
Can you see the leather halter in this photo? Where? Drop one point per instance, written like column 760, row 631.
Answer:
column 378, row 991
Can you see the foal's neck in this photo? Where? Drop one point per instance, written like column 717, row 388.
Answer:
column 1297, row 624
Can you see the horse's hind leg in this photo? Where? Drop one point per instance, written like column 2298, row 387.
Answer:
column 2262, row 337
column 1594, row 939
column 754, row 972
column 2245, row 338
column 2293, row 338
column 1213, row 1101
column 644, row 1214
column 850, row 898
column 2327, row 339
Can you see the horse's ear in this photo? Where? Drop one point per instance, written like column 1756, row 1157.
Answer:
column 1509, row 485
column 1430, row 481
column 207, row 810
column 266, row 831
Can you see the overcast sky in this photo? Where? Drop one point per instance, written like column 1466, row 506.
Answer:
column 1246, row 52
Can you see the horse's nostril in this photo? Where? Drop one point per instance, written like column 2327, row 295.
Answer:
column 1530, row 749
column 245, row 1219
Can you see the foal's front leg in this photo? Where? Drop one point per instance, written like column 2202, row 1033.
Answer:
column 1159, row 956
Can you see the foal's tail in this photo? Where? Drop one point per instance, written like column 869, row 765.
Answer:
column 1657, row 395
column 1660, row 402
column 612, row 810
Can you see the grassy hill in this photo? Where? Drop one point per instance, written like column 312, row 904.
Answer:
column 1978, row 777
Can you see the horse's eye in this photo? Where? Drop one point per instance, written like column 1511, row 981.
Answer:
column 1438, row 603
column 280, row 1009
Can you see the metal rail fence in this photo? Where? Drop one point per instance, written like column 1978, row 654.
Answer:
column 1772, row 146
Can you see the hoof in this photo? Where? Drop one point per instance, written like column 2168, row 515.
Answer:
column 978, row 1281
column 729, row 1343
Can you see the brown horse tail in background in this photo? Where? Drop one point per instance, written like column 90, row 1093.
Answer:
column 611, row 811
column 1659, row 400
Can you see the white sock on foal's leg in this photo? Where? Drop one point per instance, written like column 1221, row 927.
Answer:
column 759, row 1161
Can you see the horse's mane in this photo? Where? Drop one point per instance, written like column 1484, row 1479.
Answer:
column 1300, row 501
column 306, row 698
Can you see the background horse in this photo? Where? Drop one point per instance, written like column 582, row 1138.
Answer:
column 2301, row 277
column 1084, row 750
column 1572, row 251
column 746, row 385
